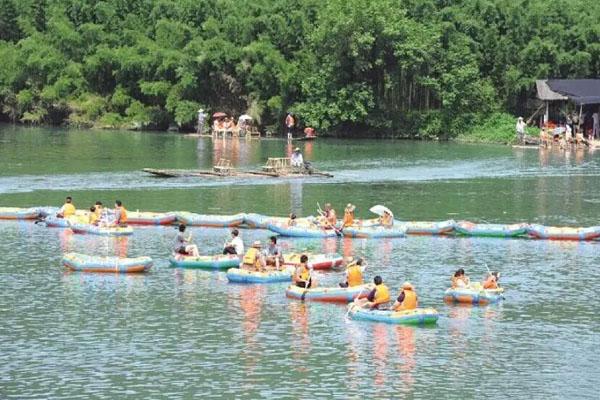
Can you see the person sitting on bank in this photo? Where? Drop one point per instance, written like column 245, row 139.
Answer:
column 386, row 220
column 183, row 243
column 348, row 215
column 252, row 259
column 378, row 298
column 407, row 300
column 297, row 160
column 491, row 281
column 93, row 217
column 120, row 214
column 67, row 209
column 520, row 128
column 236, row 245
column 302, row 277
column 273, row 254
column 460, row 280
column 354, row 275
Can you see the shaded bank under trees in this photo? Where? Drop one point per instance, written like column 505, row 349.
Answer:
column 426, row 68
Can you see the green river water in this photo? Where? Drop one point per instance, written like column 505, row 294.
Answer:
column 175, row 333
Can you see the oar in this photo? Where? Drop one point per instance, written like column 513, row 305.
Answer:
column 489, row 272
column 337, row 231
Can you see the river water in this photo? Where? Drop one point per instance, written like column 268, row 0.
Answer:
column 183, row 333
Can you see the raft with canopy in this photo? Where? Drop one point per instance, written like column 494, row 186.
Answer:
column 102, row 230
column 396, row 231
column 429, row 228
column 418, row 316
column 329, row 294
column 315, row 261
column 215, row 221
column 492, row 230
column 302, row 231
column 220, row 261
column 87, row 263
column 150, row 218
column 475, row 294
column 16, row 213
column 239, row 275
column 555, row 233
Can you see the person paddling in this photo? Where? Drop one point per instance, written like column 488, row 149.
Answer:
column 491, row 281
column 183, row 243
column 407, row 300
column 67, row 209
column 302, row 277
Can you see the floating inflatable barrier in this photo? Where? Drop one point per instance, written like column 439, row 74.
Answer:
column 237, row 275
column 429, row 228
column 209, row 262
column 555, row 233
column 302, row 231
column 473, row 295
column 418, row 316
column 102, row 230
column 150, row 218
column 215, row 221
column 396, row 231
column 86, row 263
column 19, row 213
column 492, row 230
column 315, row 261
column 331, row 294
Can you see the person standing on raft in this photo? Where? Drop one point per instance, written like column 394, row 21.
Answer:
column 302, row 276
column 378, row 298
column 354, row 275
column 407, row 300
column 120, row 214
column 67, row 209
column 290, row 123
column 236, row 245
column 183, row 243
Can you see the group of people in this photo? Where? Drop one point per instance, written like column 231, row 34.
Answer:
column 461, row 281
column 570, row 131
column 97, row 215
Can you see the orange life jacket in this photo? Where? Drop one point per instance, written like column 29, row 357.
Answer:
column 348, row 218
column 490, row 283
column 355, row 277
column 410, row 301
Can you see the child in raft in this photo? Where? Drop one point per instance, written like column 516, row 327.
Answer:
column 491, row 281
column 302, row 276
column 407, row 300
column 183, row 243
column 460, row 280
column 378, row 298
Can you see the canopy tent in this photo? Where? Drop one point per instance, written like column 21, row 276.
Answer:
column 579, row 91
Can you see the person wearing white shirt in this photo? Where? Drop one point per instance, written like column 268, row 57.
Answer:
column 297, row 160
column 236, row 245
column 595, row 125
column 521, row 125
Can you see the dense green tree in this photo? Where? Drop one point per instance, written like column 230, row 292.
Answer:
column 9, row 29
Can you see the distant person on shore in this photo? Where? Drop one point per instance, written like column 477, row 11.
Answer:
column 67, row 209
column 521, row 127
column 201, row 121
column 290, row 124
column 310, row 132
column 236, row 245
column 120, row 214
column 297, row 160
column 595, row 126
column 183, row 243
column 460, row 280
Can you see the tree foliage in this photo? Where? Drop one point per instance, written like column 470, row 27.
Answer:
column 420, row 68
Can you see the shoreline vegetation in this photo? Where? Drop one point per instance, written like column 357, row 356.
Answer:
column 423, row 69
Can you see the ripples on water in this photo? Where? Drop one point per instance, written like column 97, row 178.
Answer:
column 179, row 333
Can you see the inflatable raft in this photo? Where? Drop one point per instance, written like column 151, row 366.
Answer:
column 429, row 228
column 237, row 275
column 209, row 262
column 396, row 231
column 315, row 261
column 331, row 294
column 302, row 231
column 102, row 230
column 473, row 295
column 85, row 263
column 419, row 316
column 556, row 233
column 150, row 218
column 258, row 221
column 214, row 221
column 19, row 213
column 492, row 230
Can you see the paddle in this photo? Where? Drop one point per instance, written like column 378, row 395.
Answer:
column 337, row 231
column 489, row 272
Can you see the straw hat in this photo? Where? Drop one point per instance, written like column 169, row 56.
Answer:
column 257, row 244
column 297, row 149
column 407, row 286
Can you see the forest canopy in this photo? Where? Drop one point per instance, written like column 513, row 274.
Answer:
column 418, row 68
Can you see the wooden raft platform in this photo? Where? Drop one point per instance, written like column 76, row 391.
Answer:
column 175, row 173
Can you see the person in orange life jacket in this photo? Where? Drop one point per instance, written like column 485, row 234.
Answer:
column 491, row 282
column 354, row 276
column 302, row 276
column 378, row 298
column 348, row 215
column 407, row 300
column 67, row 209
column 120, row 214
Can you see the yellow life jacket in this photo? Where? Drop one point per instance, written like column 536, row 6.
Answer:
column 304, row 273
column 251, row 257
column 355, row 277
column 93, row 218
column 409, row 302
column 68, row 210
column 122, row 216
column 382, row 294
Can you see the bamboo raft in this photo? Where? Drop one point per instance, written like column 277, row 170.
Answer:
column 275, row 168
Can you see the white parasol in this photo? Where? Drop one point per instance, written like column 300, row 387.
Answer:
column 379, row 210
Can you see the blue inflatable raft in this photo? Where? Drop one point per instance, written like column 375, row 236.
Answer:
column 237, row 275
column 419, row 316
column 209, row 262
